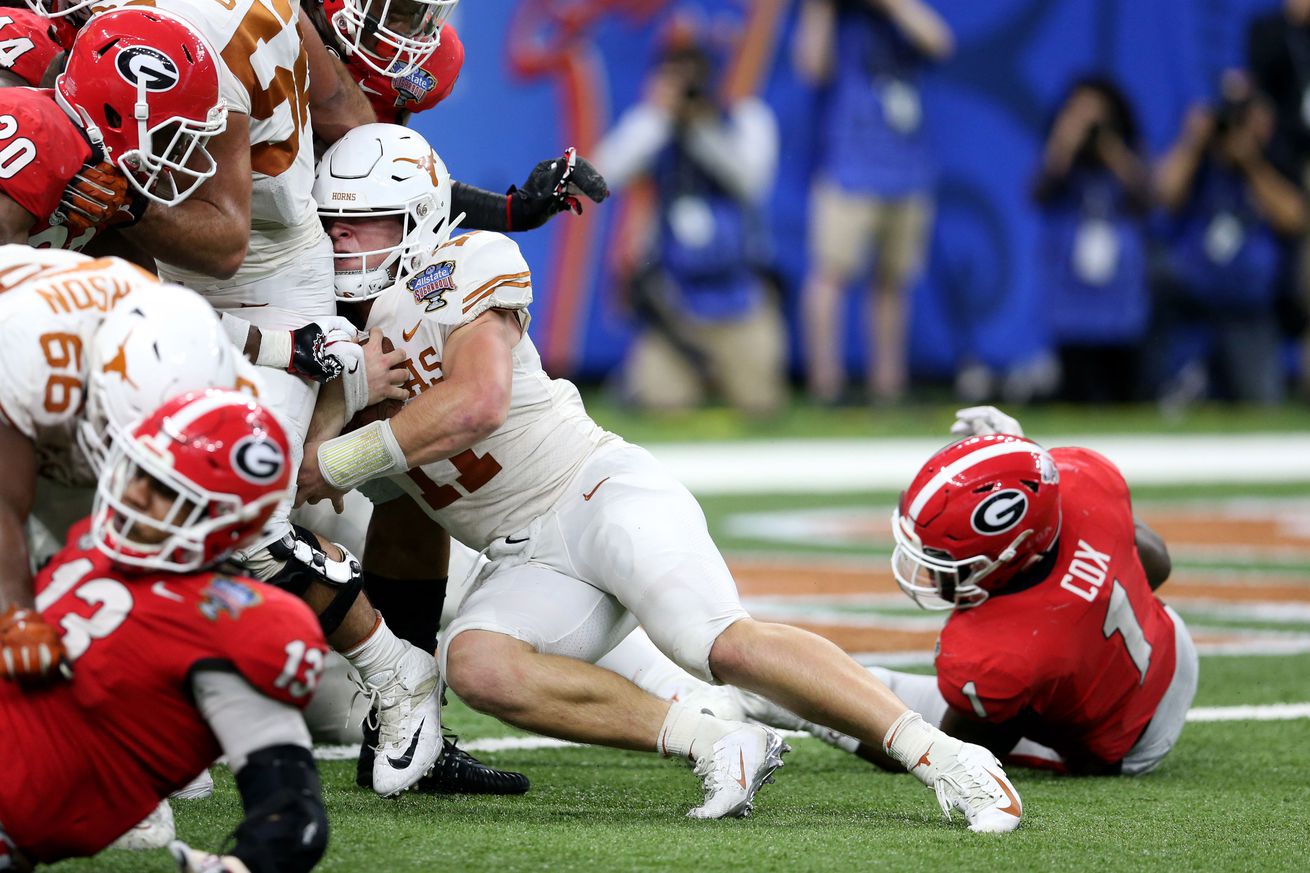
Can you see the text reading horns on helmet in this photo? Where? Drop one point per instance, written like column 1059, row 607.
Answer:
column 258, row 459
column 151, row 69
column 1000, row 512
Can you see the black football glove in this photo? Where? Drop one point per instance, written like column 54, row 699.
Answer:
column 310, row 357
column 552, row 187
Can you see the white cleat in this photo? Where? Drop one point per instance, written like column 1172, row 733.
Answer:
column 735, row 768
column 407, row 708
column 155, row 831
column 975, row 784
column 197, row 789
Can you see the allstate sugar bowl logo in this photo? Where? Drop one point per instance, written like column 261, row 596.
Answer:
column 432, row 283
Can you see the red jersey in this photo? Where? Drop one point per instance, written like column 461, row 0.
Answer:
column 29, row 42
column 41, row 148
column 1083, row 657
column 393, row 97
column 85, row 760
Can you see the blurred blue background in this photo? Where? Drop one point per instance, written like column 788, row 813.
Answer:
column 544, row 74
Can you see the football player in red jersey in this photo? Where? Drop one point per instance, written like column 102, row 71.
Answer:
column 29, row 45
column 1056, row 637
column 75, row 158
column 231, row 664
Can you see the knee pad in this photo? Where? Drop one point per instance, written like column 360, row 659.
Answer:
column 285, row 829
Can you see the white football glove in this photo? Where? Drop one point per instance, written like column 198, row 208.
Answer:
column 983, row 420
column 190, row 860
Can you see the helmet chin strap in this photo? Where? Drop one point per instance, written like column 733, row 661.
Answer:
column 1004, row 557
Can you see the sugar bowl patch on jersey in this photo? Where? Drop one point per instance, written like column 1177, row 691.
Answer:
column 470, row 274
column 429, row 285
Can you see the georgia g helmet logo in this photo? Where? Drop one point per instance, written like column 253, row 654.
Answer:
column 258, row 459
column 141, row 65
column 1000, row 512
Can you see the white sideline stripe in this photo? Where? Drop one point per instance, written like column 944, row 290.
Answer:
column 833, row 466
column 1269, row 712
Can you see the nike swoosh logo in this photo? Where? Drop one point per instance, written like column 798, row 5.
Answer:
column 408, row 335
column 408, row 758
column 514, row 542
column 1015, row 808
column 741, row 762
column 162, row 590
column 592, row 493
column 252, row 305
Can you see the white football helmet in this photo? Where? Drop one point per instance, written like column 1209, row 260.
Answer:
column 157, row 343
column 377, row 170
column 391, row 37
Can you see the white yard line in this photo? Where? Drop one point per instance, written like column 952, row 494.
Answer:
column 1269, row 712
column 808, row 466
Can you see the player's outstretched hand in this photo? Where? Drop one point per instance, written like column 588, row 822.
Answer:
column 31, row 651
column 983, row 420
column 553, row 186
column 190, row 860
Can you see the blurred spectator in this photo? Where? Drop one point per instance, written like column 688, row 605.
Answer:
column 1234, row 215
column 1093, row 190
column 708, row 312
column 1278, row 54
column 873, row 187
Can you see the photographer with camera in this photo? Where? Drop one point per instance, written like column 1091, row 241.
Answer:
column 1235, row 217
column 701, row 288
column 1093, row 191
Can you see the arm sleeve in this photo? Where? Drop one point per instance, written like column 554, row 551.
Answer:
column 244, row 720
column 742, row 153
column 483, row 210
column 630, row 146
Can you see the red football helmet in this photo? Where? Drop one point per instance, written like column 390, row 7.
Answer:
column 146, row 84
column 978, row 512
column 224, row 460
column 391, row 37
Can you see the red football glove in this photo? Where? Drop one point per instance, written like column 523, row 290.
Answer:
column 31, row 651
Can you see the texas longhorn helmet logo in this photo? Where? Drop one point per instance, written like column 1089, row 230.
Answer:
column 147, row 67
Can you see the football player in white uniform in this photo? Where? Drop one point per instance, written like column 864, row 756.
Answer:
column 54, row 306
column 587, row 534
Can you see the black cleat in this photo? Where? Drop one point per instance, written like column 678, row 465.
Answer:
column 458, row 772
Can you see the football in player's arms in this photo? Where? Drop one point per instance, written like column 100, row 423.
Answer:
column 231, row 661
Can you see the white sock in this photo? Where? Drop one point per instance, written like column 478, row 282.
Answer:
column 918, row 746
column 379, row 653
column 688, row 732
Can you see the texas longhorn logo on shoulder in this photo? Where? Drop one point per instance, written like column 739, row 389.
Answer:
column 431, row 284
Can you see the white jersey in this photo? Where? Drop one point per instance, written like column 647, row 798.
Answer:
column 51, row 304
column 499, row 485
column 264, row 74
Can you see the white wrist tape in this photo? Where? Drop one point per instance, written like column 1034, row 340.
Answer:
column 274, row 349
column 369, row 453
column 354, row 378
column 237, row 329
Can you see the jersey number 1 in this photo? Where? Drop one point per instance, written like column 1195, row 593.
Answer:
column 1120, row 619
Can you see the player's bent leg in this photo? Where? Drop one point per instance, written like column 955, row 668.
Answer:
column 1171, row 713
column 515, row 652
column 638, row 660
column 812, row 677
